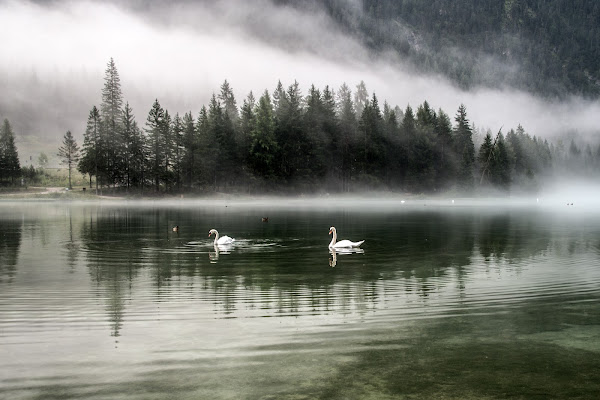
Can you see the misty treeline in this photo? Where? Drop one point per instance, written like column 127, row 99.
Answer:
column 325, row 140
column 553, row 44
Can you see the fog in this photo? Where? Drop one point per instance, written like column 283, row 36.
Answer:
column 52, row 67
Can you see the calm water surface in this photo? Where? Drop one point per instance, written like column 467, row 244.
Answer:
column 105, row 301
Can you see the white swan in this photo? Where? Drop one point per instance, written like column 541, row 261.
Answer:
column 220, row 240
column 342, row 243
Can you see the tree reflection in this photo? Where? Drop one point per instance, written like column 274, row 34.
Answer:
column 417, row 254
column 10, row 242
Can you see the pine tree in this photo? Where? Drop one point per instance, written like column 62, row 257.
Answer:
column 168, row 151
column 465, row 149
column 263, row 146
column 228, row 101
column 361, row 98
column 90, row 161
column 247, row 120
column 156, row 146
column 111, row 112
column 485, row 158
column 9, row 157
column 127, row 137
column 213, row 165
column 290, row 133
column 69, row 153
column 501, row 166
column 311, row 162
column 332, row 153
column 190, row 146
column 347, row 127
column 178, row 150
column 445, row 166
column 208, row 150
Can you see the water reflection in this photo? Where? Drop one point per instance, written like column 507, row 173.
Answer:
column 102, row 300
column 10, row 241
column 219, row 249
column 334, row 253
column 130, row 252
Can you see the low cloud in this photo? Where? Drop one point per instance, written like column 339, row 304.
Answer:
column 52, row 67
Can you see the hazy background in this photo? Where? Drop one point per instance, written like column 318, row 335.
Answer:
column 54, row 54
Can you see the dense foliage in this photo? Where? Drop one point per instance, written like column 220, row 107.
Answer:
column 327, row 140
column 550, row 47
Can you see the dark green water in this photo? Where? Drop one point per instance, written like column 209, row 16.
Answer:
column 105, row 301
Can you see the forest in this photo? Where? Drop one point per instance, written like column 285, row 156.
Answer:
column 324, row 141
column 547, row 47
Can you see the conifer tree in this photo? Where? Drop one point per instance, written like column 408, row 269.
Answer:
column 347, row 127
column 111, row 112
column 465, row 149
column 485, row 158
column 290, row 132
column 9, row 157
column 227, row 99
column 156, row 146
column 263, row 146
column 127, row 133
column 361, row 98
column 168, row 151
column 208, row 149
column 69, row 153
column 190, row 146
column 178, row 149
column 445, row 163
column 247, row 118
column 90, row 161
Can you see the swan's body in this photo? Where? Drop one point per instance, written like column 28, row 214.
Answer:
column 334, row 244
column 220, row 240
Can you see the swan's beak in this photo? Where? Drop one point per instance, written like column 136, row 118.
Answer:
column 330, row 231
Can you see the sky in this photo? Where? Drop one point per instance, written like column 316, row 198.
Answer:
column 180, row 52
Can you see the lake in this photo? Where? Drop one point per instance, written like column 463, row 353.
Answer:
column 444, row 300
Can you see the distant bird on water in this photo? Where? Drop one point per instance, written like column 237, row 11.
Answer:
column 265, row 219
column 176, row 228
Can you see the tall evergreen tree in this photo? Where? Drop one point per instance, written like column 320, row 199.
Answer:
column 69, row 153
column 485, row 158
column 9, row 157
column 263, row 146
column 347, row 126
column 190, row 149
column 138, row 157
column 465, row 148
column 247, row 118
column 445, row 165
column 227, row 99
column 90, row 161
column 361, row 98
column 156, row 147
column 168, row 150
column 111, row 111
column 290, row 132
column 208, row 148
column 178, row 150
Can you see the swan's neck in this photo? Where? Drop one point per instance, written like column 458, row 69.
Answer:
column 216, row 236
column 333, row 239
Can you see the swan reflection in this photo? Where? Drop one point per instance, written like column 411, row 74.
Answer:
column 213, row 256
column 341, row 251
